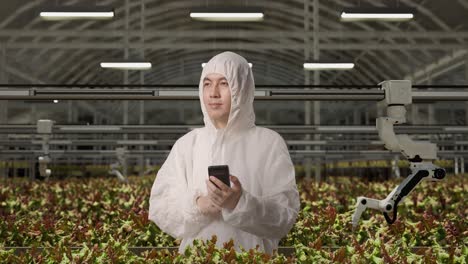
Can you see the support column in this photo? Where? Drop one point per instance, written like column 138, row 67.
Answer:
column 3, row 110
column 455, row 166
column 70, row 120
column 395, row 169
column 125, row 102
column 356, row 117
column 307, row 104
column 316, row 17
column 32, row 168
column 466, row 81
column 453, row 119
column 142, row 81
column 415, row 115
column 431, row 114
column 462, row 165
column 366, row 118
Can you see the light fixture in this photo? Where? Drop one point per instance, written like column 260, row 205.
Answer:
column 203, row 65
column 56, row 101
column 77, row 12
column 318, row 66
column 127, row 65
column 385, row 14
column 90, row 128
column 227, row 14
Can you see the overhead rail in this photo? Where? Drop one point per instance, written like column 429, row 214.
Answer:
column 276, row 94
column 107, row 142
column 195, row 86
column 330, row 154
column 282, row 129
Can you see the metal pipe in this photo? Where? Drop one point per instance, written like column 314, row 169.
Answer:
column 182, row 129
column 269, row 95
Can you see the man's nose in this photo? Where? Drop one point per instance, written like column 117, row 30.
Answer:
column 215, row 91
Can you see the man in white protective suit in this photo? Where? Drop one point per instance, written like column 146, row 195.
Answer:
column 262, row 204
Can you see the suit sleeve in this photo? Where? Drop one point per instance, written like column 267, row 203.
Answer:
column 172, row 203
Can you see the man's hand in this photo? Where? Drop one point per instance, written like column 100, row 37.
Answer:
column 207, row 207
column 224, row 197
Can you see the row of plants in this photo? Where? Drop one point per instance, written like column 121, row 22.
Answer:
column 104, row 219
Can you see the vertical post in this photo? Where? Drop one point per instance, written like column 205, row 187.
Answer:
column 455, row 165
column 32, row 167
column 395, row 168
column 462, row 165
column 95, row 148
column 466, row 81
column 316, row 17
column 125, row 102
column 3, row 109
column 430, row 114
column 415, row 114
column 142, row 81
column 70, row 120
column 356, row 117
column 453, row 118
column 307, row 104
column 366, row 118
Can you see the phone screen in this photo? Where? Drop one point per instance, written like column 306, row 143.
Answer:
column 221, row 172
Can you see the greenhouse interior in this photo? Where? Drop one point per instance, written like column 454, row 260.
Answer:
column 291, row 131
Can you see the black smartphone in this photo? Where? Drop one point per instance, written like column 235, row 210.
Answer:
column 221, row 172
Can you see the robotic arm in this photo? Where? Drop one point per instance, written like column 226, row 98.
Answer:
column 420, row 154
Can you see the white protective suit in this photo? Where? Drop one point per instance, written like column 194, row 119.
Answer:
column 258, row 156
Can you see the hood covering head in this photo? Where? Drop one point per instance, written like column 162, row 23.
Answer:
column 239, row 76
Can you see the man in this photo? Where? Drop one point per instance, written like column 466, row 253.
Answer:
column 262, row 204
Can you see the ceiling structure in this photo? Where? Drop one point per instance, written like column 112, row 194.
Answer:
column 431, row 49
column 292, row 32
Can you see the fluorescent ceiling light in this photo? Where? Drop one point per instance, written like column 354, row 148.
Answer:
column 227, row 14
column 203, row 65
column 126, row 65
column 178, row 93
column 56, row 101
column 75, row 12
column 90, row 128
column 386, row 14
column 317, row 66
column 14, row 92
column 260, row 93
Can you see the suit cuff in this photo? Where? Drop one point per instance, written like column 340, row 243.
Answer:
column 240, row 207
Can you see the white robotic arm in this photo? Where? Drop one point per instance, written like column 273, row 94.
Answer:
column 420, row 154
column 421, row 172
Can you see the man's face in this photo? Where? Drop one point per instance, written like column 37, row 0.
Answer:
column 217, row 98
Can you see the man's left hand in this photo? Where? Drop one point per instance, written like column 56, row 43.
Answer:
column 224, row 196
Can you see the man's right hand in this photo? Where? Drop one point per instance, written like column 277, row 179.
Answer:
column 207, row 207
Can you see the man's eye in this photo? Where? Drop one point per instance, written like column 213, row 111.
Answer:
column 224, row 83
column 206, row 84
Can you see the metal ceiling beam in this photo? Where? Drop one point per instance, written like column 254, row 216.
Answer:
column 197, row 34
column 174, row 129
column 370, row 154
column 276, row 94
column 28, row 77
column 228, row 45
column 173, row 40
column 393, row 59
column 106, row 142
column 439, row 67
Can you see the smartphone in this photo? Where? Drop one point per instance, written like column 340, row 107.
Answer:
column 221, row 172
